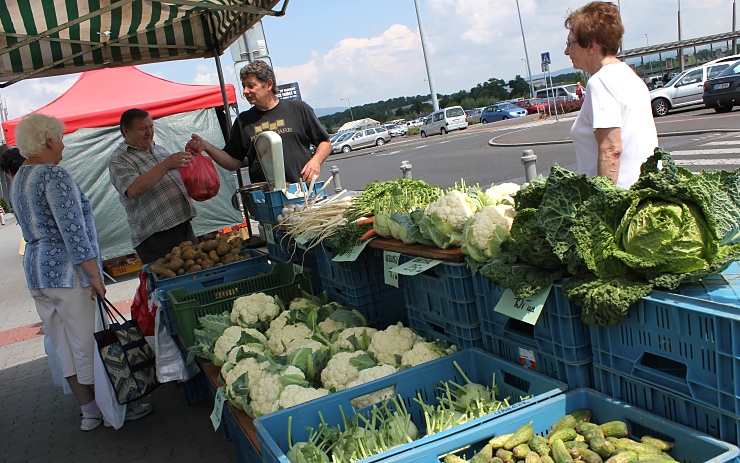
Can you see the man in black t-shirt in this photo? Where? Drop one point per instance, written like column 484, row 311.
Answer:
column 293, row 120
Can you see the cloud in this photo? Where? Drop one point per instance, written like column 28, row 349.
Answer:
column 29, row 95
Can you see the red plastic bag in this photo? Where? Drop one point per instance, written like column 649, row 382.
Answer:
column 140, row 307
column 200, row 176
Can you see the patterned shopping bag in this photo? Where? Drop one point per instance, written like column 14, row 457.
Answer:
column 126, row 355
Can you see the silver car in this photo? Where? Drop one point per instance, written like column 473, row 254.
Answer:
column 377, row 136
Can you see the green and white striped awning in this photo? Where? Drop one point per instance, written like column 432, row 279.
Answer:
column 40, row 38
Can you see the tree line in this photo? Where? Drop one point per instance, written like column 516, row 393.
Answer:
column 409, row 108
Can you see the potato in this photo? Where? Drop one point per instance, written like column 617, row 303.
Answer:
column 176, row 252
column 228, row 258
column 189, row 253
column 160, row 261
column 207, row 263
column 210, row 245
column 198, row 261
column 188, row 263
column 185, row 244
column 219, row 264
column 223, row 248
column 194, row 268
column 168, row 257
column 167, row 274
column 181, row 272
column 214, row 256
column 176, row 264
column 235, row 251
column 237, row 242
column 156, row 269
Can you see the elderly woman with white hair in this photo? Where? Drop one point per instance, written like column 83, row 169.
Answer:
column 62, row 259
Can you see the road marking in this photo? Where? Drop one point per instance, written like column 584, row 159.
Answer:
column 726, row 142
column 420, row 147
column 707, row 162
column 388, row 154
column 705, row 152
column 446, row 141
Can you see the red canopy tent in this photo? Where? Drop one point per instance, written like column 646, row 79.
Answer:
column 98, row 99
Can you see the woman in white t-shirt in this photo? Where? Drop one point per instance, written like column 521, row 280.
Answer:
column 614, row 133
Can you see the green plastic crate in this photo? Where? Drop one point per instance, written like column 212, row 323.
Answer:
column 189, row 306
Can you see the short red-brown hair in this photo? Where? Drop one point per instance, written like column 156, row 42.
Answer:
column 599, row 21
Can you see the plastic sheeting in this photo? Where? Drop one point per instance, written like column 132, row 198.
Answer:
column 86, row 156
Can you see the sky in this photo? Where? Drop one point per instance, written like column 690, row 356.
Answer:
column 371, row 51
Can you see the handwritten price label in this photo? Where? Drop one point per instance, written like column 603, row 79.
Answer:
column 269, row 236
column 527, row 310
column 352, row 254
column 390, row 261
column 416, row 266
column 218, row 408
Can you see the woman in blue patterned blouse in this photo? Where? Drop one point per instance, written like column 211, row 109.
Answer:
column 62, row 258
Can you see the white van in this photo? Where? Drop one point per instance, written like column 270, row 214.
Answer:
column 561, row 93
column 443, row 121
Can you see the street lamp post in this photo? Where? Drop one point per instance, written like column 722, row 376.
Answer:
column 435, row 103
column 526, row 55
column 647, row 43
column 680, row 49
column 350, row 108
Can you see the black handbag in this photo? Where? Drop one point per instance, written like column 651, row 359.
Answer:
column 126, row 355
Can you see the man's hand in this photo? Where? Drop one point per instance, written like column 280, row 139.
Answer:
column 177, row 160
column 198, row 144
column 310, row 170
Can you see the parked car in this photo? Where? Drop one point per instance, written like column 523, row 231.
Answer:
column 560, row 93
column 377, row 136
column 501, row 111
column 723, row 92
column 473, row 114
column 395, row 130
column 443, row 121
column 687, row 87
column 532, row 105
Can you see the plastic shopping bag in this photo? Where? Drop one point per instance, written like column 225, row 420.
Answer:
column 170, row 362
column 200, row 176
column 140, row 310
column 105, row 395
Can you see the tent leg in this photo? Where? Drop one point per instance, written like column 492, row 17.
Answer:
column 109, row 277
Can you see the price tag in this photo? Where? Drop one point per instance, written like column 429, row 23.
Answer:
column 218, row 408
column 303, row 240
column 416, row 266
column 352, row 254
column 297, row 269
column 390, row 261
column 269, row 235
column 527, row 310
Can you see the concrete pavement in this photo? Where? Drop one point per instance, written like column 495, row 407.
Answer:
column 39, row 423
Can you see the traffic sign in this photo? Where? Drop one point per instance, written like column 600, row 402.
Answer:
column 546, row 57
column 545, row 67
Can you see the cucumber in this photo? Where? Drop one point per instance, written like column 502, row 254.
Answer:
column 638, row 448
column 496, row 460
column 547, row 459
column 623, row 457
column 520, row 451
column 603, row 447
column 588, row 456
column 583, row 427
column 539, row 444
column 484, row 456
column 648, row 458
column 521, row 436
column 567, row 421
column 505, row 455
column 615, row 429
column 559, row 452
column 571, row 444
column 499, row 441
column 655, row 442
column 581, row 415
column 453, row 459
column 533, row 457
column 563, row 434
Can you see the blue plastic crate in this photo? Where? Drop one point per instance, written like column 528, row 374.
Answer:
column 690, row 446
column 366, row 270
column 722, row 289
column 512, row 382
column 445, row 290
column 285, row 249
column 268, row 206
column 203, row 279
column 710, row 420
column 244, row 450
column 559, row 331
column 196, row 389
column 685, row 345
column 575, row 375
column 432, row 327
column 380, row 304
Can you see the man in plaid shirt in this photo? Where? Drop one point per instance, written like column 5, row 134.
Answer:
column 151, row 190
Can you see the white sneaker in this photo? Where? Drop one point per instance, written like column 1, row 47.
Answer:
column 134, row 412
column 91, row 421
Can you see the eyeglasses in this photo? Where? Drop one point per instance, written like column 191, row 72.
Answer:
column 568, row 43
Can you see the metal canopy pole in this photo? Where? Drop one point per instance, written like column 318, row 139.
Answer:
column 435, row 103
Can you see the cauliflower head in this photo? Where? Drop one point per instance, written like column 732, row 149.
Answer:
column 306, row 343
column 503, row 193
column 371, row 374
column 286, row 337
column 230, row 338
column 389, row 345
column 246, row 349
column 340, row 370
column 278, row 323
column 361, row 333
column 422, row 352
column 253, row 308
column 444, row 219
column 329, row 326
column 264, row 393
column 240, row 377
column 486, row 230
column 293, row 395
